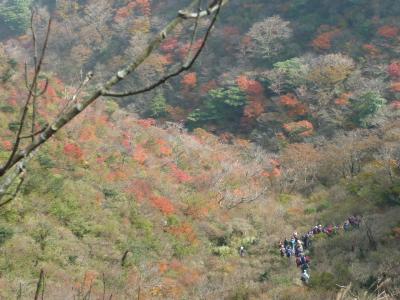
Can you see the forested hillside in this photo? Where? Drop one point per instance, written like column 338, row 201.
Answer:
column 165, row 149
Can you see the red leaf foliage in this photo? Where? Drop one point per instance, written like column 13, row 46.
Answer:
column 249, row 86
column 388, row 31
column 73, row 151
column 189, row 80
column 163, row 204
column 140, row 155
column 146, row 123
column 394, row 69
column 179, row 174
column 7, row 145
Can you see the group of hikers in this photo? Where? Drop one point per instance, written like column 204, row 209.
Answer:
column 297, row 245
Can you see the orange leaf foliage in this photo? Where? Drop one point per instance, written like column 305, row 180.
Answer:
column 189, row 80
column 324, row 40
column 249, row 85
column 395, row 86
column 140, row 154
column 164, row 148
column 388, row 31
column 73, row 151
column 146, row 123
column 184, row 230
column 289, row 100
column 305, row 128
column 163, row 204
column 343, row 99
column 179, row 174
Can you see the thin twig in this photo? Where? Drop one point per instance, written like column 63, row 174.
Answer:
column 34, row 134
column 183, row 68
column 9, row 162
column 22, row 179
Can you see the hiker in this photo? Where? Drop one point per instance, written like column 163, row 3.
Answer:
column 241, row 251
column 358, row 219
column 352, row 220
column 315, row 230
column 328, row 229
column 293, row 244
column 295, row 236
column 288, row 252
column 302, row 259
column 299, row 248
column 304, row 276
column 346, row 225
column 286, row 243
column 306, row 241
column 304, row 267
column 283, row 251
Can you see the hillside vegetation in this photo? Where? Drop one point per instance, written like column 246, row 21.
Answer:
column 289, row 119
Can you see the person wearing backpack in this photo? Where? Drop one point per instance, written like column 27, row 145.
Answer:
column 288, row 252
column 305, row 277
column 293, row 243
column 241, row 251
column 346, row 225
column 282, row 251
column 304, row 267
column 306, row 241
column 286, row 243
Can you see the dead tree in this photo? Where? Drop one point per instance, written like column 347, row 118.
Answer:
column 12, row 171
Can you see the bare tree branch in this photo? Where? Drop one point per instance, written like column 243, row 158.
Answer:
column 10, row 162
column 186, row 66
column 215, row 5
column 76, row 107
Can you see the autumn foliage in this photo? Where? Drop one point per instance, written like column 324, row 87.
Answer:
column 249, row 86
column 388, row 31
column 394, row 69
column 73, row 151
column 189, row 80
column 343, row 99
column 140, row 154
column 302, row 128
column 324, row 40
column 163, row 204
column 289, row 100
